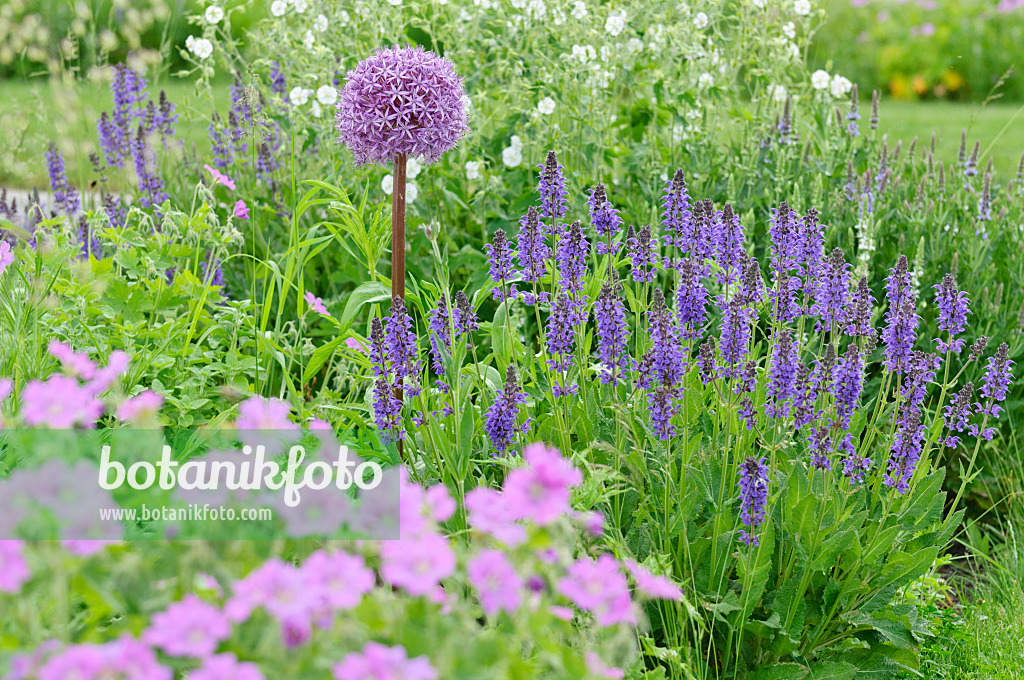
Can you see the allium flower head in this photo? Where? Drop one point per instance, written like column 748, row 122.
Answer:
column 401, row 100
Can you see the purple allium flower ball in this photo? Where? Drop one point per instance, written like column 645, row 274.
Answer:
column 401, row 100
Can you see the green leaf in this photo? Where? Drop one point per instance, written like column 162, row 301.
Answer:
column 779, row 671
column 370, row 292
column 831, row 670
column 501, row 335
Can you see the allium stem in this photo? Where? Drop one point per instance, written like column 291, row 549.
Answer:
column 398, row 229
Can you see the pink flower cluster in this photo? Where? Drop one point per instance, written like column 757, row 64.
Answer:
column 377, row 662
column 13, row 567
column 66, row 400
column 241, row 210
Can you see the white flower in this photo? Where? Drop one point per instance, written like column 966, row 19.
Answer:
column 789, row 30
column 343, row 18
column 512, row 156
column 584, row 53
column 316, row 109
column 579, row 9
column 840, row 86
column 701, row 20
column 793, row 51
column 615, row 23
column 388, row 184
column 819, row 80
column 327, row 95
column 777, row 92
column 557, row 17
column 536, row 9
column 299, row 96
column 396, row 3
column 706, row 80
column 412, row 168
column 473, row 169
column 201, row 47
column 214, row 14
column 320, row 23
column 606, row 52
column 300, row 5
column 411, row 192
column 546, row 106
column 802, row 7
column 278, row 8
column 634, row 45
column 757, row 3
column 308, row 40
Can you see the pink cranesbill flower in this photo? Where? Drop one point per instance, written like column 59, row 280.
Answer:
column 144, row 404
column 258, row 413
column 598, row 586
column 315, row 304
column 190, row 627
column 14, row 569
column 117, row 364
column 60, row 403
column 226, row 667
column 541, row 491
column 79, row 365
column 599, row 669
column 355, row 345
column 417, row 565
column 341, row 580
column 6, row 256
column 401, row 100
column 86, row 547
column 380, row 662
column 6, row 387
column 276, row 586
column 496, row 580
column 489, row 514
column 652, row 586
column 241, row 210
column 125, row 657
column 220, row 178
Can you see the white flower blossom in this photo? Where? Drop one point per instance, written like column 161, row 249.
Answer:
column 557, row 17
column 396, row 3
column 757, row 3
column 320, row 23
column 278, row 8
column 343, row 18
column 412, row 168
column 793, row 51
column 512, row 156
column 802, row 7
column 411, row 192
column 840, row 86
column 308, row 40
column 473, row 169
column 536, row 9
column 546, row 106
column 579, row 9
column 327, row 95
column 700, row 20
column 615, row 23
column 214, row 14
column 200, row 47
column 388, row 184
column 584, row 53
column 819, row 80
column 300, row 5
column 706, row 80
column 299, row 96
column 777, row 93
column 634, row 45
column 789, row 30
column 316, row 109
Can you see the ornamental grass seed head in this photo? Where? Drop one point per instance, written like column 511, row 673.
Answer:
column 401, row 100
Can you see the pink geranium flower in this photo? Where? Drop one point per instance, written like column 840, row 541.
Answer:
column 13, row 567
column 6, row 256
column 190, row 627
column 340, row 579
column 316, row 304
column 258, row 413
column 651, row 585
column 59, row 403
column 220, row 178
column 226, row 667
column 541, row 491
column 378, row 661
column 496, row 580
column 598, row 586
column 417, row 565
column 489, row 514
column 241, row 210
column 143, row 404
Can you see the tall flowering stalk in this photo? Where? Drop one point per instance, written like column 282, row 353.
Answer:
column 501, row 422
column 605, row 219
column 551, row 187
column 753, row 485
column 398, row 103
column 612, row 335
column 676, row 216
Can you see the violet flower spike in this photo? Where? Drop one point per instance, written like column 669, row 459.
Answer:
column 753, row 484
column 551, row 187
column 501, row 421
column 676, row 216
column 952, row 304
column 612, row 336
